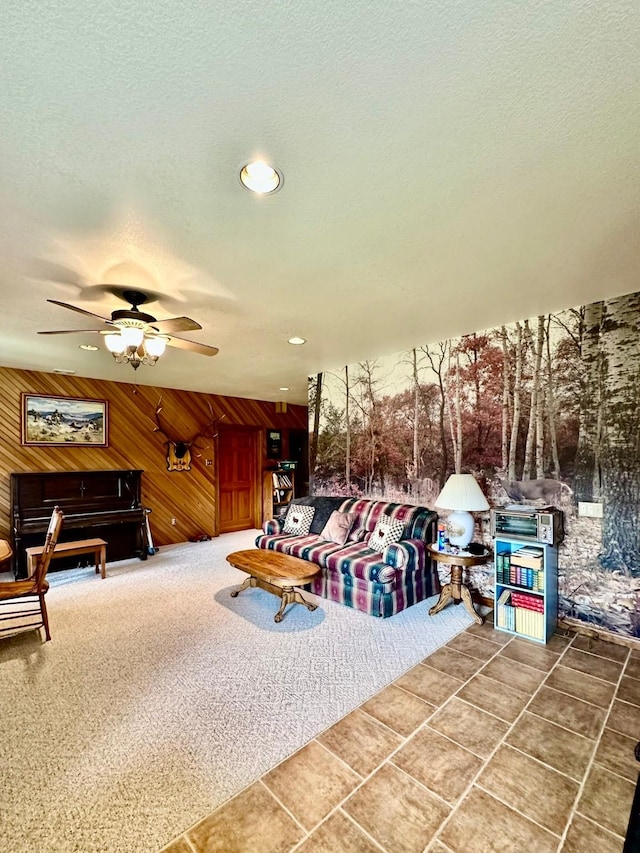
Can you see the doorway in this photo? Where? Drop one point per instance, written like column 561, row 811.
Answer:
column 237, row 479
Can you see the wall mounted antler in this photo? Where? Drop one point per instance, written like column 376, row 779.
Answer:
column 179, row 451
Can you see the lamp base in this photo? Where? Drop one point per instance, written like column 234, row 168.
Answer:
column 460, row 526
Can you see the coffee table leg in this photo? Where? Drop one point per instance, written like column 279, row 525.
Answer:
column 291, row 596
column 250, row 581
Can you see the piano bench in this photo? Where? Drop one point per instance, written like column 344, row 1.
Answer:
column 97, row 547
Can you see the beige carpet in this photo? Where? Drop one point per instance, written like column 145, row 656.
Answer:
column 160, row 696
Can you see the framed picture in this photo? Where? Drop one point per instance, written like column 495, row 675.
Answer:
column 64, row 421
column 274, row 444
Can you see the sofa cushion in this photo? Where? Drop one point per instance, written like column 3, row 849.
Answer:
column 386, row 532
column 298, row 520
column 360, row 562
column 323, row 505
column 338, row 528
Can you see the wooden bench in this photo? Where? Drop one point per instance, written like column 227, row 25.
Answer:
column 97, row 547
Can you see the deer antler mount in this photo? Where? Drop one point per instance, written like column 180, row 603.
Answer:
column 179, row 450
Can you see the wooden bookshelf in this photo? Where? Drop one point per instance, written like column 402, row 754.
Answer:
column 278, row 491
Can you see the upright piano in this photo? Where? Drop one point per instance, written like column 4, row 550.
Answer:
column 104, row 504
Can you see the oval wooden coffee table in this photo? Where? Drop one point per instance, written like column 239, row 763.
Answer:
column 276, row 573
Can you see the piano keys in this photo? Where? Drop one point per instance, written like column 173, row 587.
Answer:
column 96, row 504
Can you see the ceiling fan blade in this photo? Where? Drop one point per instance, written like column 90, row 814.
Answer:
column 176, row 324
column 192, row 346
column 79, row 310
column 72, row 332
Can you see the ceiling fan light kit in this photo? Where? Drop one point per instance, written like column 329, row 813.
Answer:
column 135, row 338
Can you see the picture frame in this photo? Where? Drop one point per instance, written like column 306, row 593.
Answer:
column 274, row 444
column 50, row 421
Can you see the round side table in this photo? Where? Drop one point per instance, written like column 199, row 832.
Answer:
column 456, row 590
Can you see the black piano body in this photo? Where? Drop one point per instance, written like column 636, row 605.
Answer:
column 104, row 504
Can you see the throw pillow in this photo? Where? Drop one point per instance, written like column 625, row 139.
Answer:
column 386, row 532
column 338, row 527
column 298, row 520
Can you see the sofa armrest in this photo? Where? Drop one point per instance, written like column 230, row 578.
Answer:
column 408, row 554
column 273, row 526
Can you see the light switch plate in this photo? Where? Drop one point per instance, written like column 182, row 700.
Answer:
column 590, row 509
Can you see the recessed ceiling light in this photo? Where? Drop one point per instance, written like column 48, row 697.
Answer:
column 284, row 388
column 297, row 341
column 89, row 347
column 260, row 178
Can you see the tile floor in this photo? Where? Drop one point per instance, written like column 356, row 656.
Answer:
column 491, row 743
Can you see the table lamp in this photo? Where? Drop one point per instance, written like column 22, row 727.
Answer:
column 461, row 493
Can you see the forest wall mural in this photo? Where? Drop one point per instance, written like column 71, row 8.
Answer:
column 544, row 411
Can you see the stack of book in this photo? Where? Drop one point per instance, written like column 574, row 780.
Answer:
column 524, row 567
column 505, row 613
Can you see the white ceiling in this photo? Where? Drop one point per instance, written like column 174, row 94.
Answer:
column 448, row 166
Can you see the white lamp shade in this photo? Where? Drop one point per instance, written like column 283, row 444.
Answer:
column 155, row 346
column 115, row 343
column 132, row 336
column 461, row 493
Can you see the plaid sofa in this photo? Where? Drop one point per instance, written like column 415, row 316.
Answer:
column 353, row 574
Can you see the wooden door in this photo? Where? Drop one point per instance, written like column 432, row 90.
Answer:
column 237, row 473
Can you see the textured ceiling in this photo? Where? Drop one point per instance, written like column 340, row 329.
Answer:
column 448, row 166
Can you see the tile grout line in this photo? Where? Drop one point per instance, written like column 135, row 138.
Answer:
column 467, row 790
column 405, row 740
column 592, row 760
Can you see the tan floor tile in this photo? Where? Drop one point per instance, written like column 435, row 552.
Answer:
column 454, row 663
column 600, row 647
column 360, row 741
column 311, row 783
column 401, row 711
column 437, row 847
column 481, row 823
column 567, row 711
column 429, row 684
column 581, row 686
column 251, row 821
column 444, row 767
column 505, row 702
column 178, row 846
column 616, row 752
column 599, row 667
column 488, row 632
column 532, row 654
column 585, row 836
column 558, row 642
column 338, row 833
column 606, row 799
column 469, row 726
column 564, row 751
column 476, row 647
column 629, row 690
column 396, row 811
column 633, row 665
column 625, row 718
column 529, row 787
column 513, row 674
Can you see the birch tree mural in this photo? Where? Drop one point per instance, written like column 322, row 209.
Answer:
column 544, row 410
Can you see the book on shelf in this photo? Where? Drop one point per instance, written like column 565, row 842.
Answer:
column 281, row 481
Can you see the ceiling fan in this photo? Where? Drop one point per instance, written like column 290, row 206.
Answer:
column 135, row 337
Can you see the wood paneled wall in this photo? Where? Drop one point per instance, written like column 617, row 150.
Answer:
column 187, row 496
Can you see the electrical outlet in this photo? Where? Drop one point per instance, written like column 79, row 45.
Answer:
column 208, row 461
column 174, row 521
column 590, row 509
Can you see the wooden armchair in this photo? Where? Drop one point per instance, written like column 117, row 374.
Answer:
column 24, row 599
